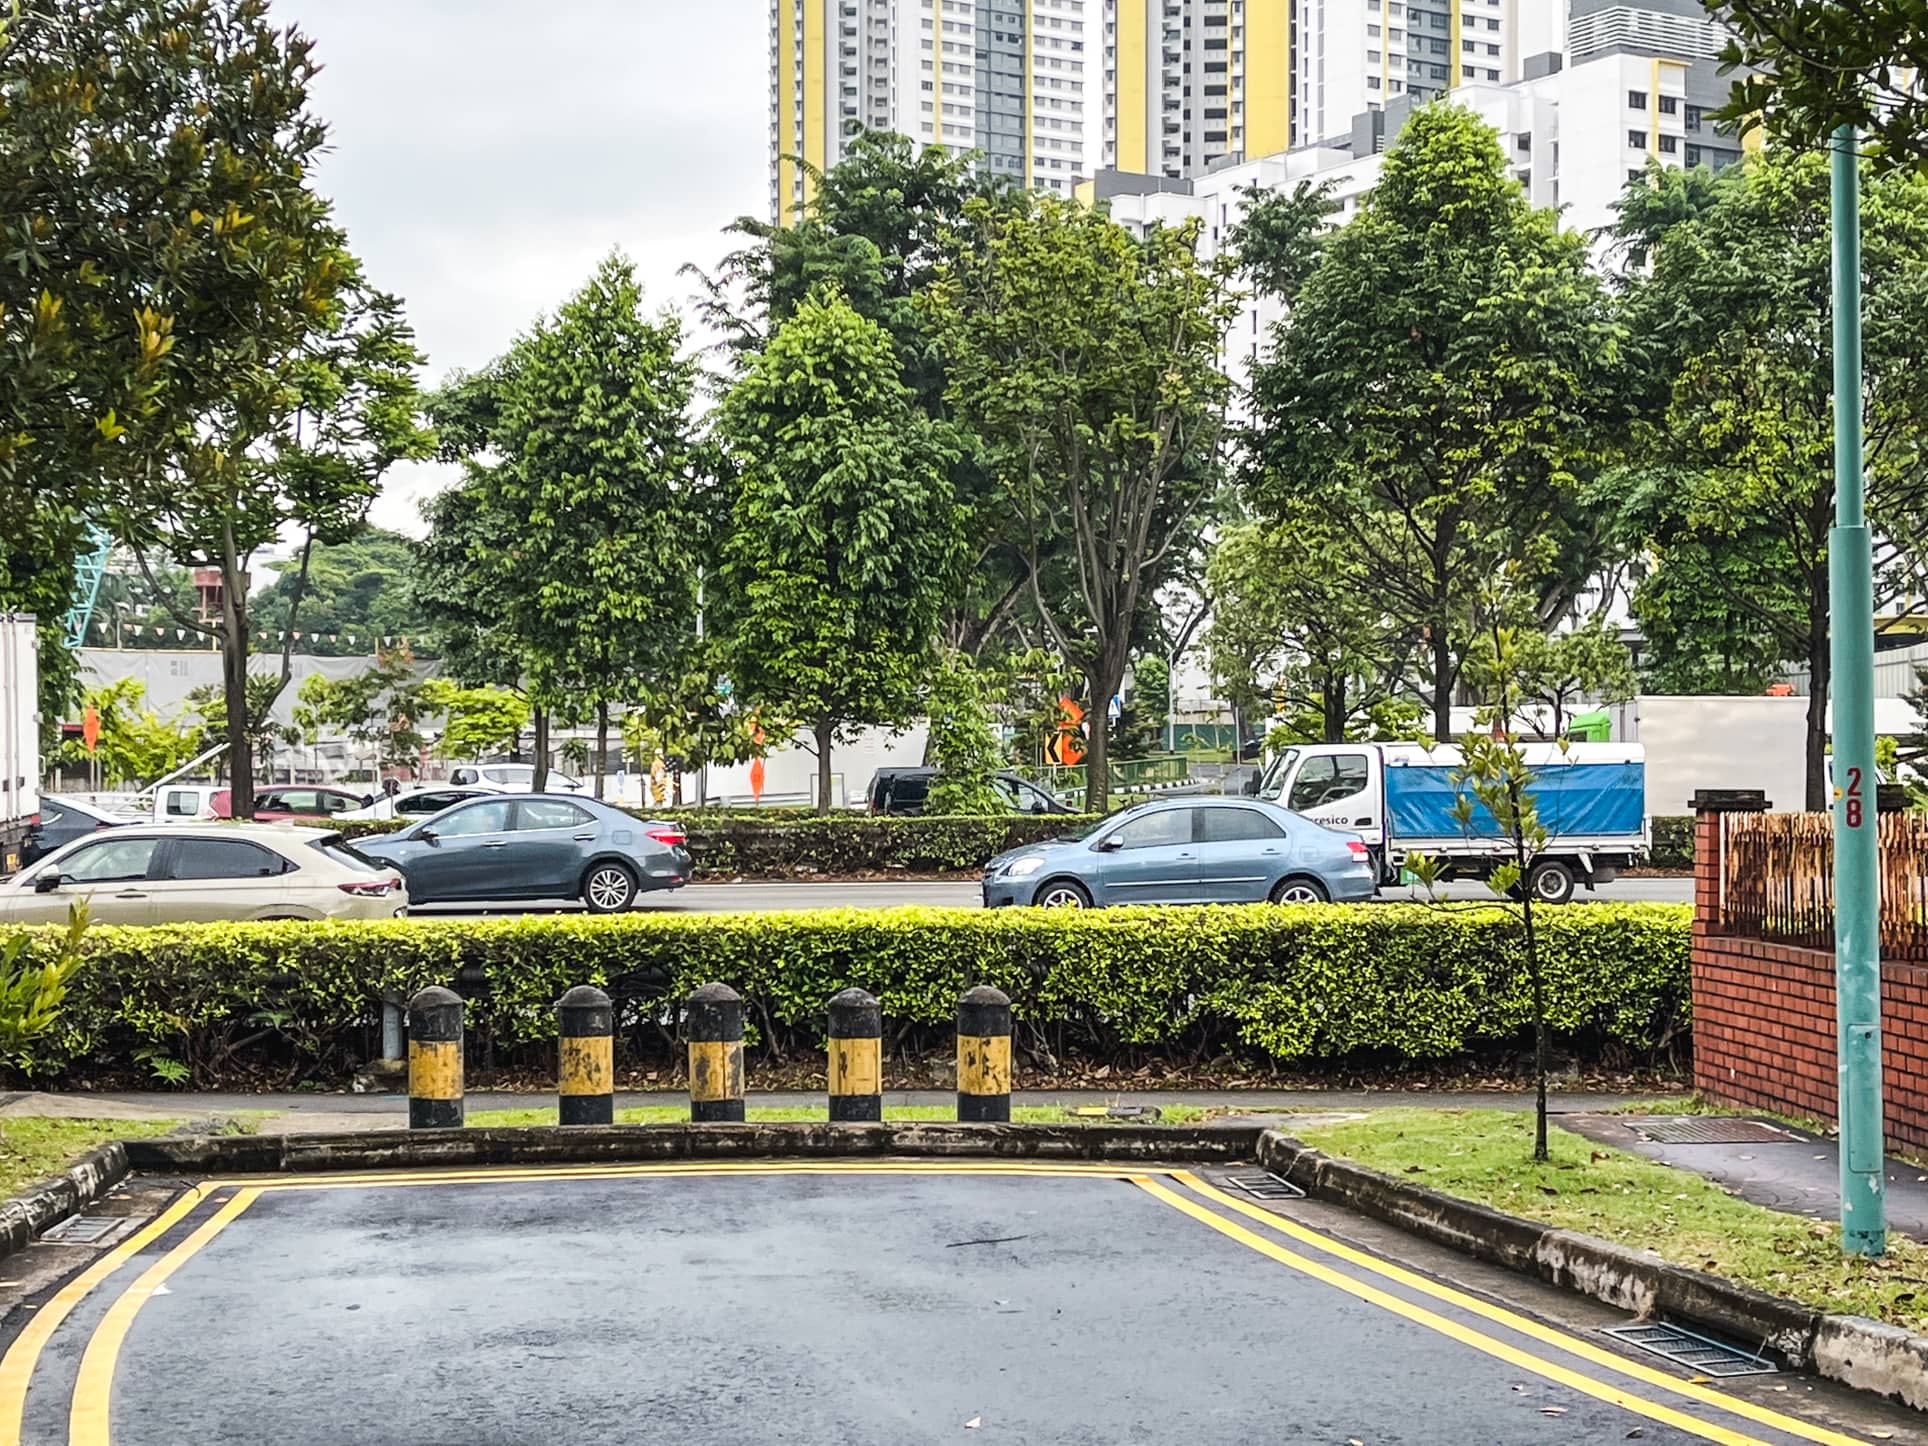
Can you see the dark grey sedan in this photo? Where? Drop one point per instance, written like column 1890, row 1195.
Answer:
column 535, row 846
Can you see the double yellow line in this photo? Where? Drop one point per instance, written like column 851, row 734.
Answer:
column 88, row 1418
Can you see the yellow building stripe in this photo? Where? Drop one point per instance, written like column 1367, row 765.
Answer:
column 1512, row 1320
column 1455, row 72
column 87, row 1422
column 1133, row 119
column 1268, row 77
column 1454, row 1330
column 1653, row 111
column 16, row 1371
column 817, row 97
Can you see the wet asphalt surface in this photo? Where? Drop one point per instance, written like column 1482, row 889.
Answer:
column 788, row 1307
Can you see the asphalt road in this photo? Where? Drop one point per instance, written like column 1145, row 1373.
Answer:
column 763, row 897
column 875, row 1303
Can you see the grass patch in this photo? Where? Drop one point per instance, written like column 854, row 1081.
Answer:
column 32, row 1148
column 1486, row 1155
column 678, row 1114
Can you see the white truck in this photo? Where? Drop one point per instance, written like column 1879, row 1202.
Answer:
column 19, row 735
column 1399, row 798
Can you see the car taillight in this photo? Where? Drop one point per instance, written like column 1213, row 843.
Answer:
column 1358, row 850
column 371, row 888
column 674, row 837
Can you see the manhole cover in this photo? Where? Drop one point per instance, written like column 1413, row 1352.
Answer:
column 1709, row 1130
column 87, row 1229
column 1701, row 1354
column 1265, row 1186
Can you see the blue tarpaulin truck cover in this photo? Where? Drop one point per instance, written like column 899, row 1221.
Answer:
column 1592, row 800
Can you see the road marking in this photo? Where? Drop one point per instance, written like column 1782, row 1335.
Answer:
column 459, row 1175
column 1466, row 1335
column 87, row 1422
column 16, row 1371
column 1512, row 1320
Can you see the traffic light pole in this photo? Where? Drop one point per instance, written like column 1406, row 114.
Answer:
column 1857, row 858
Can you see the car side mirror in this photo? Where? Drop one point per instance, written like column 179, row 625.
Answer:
column 1110, row 845
column 46, row 881
column 1038, row 806
column 428, row 836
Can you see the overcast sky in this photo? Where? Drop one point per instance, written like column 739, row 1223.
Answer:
column 485, row 155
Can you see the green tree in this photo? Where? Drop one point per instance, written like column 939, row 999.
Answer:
column 1819, row 67
column 356, row 598
column 845, row 533
column 136, row 744
column 963, row 744
column 1296, row 629
column 161, row 241
column 458, row 582
column 1735, row 328
column 1447, row 373
column 379, row 709
column 1087, row 363
column 1560, row 670
column 475, row 721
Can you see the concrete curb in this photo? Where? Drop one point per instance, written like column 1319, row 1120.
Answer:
column 48, row 1202
column 614, row 1144
column 1865, row 1354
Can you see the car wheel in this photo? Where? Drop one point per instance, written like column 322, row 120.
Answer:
column 1300, row 890
column 1063, row 894
column 608, row 888
column 1552, row 883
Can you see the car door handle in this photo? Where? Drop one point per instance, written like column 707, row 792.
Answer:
column 1187, row 855
column 130, row 894
column 496, row 843
column 1269, row 851
column 583, row 837
column 1362, row 823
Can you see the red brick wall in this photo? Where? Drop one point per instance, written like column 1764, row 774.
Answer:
column 1764, row 1019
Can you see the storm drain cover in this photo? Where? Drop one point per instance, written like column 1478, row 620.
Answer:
column 1265, row 1186
column 1701, row 1354
column 1709, row 1130
column 87, row 1229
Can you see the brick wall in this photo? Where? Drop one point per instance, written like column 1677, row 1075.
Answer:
column 1764, row 1019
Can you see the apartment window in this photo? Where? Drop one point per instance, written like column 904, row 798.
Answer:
column 1693, row 155
column 1492, row 75
column 1637, row 139
column 1636, row 100
column 1669, row 104
column 1694, row 114
column 1466, row 72
column 1669, row 145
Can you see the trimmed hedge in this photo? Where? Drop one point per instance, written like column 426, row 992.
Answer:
column 283, row 1001
column 789, row 844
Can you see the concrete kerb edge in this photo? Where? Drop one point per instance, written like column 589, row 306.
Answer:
column 1865, row 1354
column 46, row 1203
column 618, row 1144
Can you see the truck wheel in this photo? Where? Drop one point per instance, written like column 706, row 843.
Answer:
column 1551, row 882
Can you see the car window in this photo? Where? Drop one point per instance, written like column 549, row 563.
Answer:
column 519, row 773
column 223, row 858
column 490, row 817
column 423, row 804
column 110, row 861
column 547, row 813
column 347, row 856
column 49, row 814
column 1008, row 791
column 182, row 803
column 333, row 803
column 295, row 800
column 463, row 775
column 1158, row 829
column 1328, row 778
column 1230, row 825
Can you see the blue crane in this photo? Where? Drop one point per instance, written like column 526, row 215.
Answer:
column 89, row 569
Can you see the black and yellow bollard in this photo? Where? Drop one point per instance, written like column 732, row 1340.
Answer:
column 435, row 1059
column 586, row 1072
column 984, row 1054
column 856, row 1057
column 715, row 1026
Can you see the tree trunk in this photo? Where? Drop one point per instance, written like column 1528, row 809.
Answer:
column 1541, row 1049
column 234, row 682
column 1820, row 679
column 602, row 745
column 540, row 718
column 1334, row 698
column 1442, row 685
column 823, row 731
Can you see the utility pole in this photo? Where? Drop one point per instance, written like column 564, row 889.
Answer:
column 1857, row 844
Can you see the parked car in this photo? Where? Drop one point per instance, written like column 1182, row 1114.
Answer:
column 197, row 872
column 535, row 846
column 1187, row 851
column 276, row 805
column 903, row 791
column 510, row 778
column 416, row 802
column 61, row 821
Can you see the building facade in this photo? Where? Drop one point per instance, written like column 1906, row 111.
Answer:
column 1191, row 82
column 1004, row 79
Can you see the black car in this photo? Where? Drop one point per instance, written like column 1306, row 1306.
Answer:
column 903, row 791
column 61, row 821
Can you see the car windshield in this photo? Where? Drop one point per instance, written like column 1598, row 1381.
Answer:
column 1272, row 781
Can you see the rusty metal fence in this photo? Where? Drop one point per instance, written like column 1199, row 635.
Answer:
column 1777, row 880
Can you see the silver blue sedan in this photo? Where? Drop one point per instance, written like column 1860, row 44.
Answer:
column 1187, row 851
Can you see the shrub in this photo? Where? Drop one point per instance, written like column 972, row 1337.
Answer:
column 1673, row 841
column 280, row 1001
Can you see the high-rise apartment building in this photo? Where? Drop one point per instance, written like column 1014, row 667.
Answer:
column 1004, row 79
column 1188, row 82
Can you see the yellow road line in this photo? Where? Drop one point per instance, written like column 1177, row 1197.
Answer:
column 1512, row 1320
column 16, row 1371
column 460, row 1175
column 1466, row 1335
column 87, row 1423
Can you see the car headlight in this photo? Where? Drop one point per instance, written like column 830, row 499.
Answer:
column 1023, row 868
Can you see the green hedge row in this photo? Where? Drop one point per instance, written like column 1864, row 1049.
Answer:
column 787, row 845
column 230, row 1003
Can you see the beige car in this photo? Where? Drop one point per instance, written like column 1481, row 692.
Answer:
column 194, row 873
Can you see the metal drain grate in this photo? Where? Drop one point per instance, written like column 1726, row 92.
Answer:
column 1265, row 1186
column 1709, row 1130
column 87, row 1229
column 1701, row 1354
